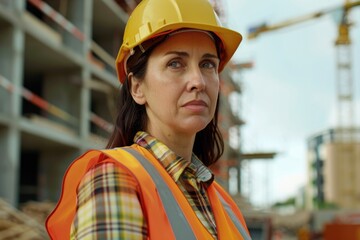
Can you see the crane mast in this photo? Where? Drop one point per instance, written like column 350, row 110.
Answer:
column 344, row 88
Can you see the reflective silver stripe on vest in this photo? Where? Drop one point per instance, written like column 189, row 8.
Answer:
column 233, row 217
column 179, row 224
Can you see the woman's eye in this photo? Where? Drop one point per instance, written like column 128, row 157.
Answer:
column 174, row 64
column 208, row 64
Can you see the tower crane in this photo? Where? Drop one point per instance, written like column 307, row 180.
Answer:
column 344, row 84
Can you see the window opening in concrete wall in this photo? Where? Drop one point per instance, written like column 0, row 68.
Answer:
column 100, row 106
column 33, row 84
column 29, row 170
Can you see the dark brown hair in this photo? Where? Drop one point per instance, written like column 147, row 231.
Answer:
column 131, row 117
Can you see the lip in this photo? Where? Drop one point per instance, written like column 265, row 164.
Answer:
column 196, row 105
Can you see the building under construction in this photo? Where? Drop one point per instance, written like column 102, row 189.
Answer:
column 58, row 88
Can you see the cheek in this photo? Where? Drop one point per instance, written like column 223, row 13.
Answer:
column 214, row 87
column 160, row 95
column 213, row 92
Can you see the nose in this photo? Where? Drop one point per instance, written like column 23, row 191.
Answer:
column 197, row 80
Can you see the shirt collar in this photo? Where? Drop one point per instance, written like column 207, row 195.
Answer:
column 173, row 164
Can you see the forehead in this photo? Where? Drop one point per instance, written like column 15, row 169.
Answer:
column 188, row 41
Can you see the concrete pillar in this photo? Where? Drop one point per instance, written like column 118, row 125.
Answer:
column 80, row 14
column 11, row 65
column 9, row 164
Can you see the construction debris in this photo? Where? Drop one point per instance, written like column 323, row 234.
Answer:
column 24, row 225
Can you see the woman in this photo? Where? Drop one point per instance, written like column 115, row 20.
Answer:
column 157, row 185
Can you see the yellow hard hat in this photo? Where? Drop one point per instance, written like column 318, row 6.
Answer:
column 153, row 18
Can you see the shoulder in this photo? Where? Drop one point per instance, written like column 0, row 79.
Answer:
column 107, row 176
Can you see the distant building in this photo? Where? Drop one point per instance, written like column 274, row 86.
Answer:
column 334, row 170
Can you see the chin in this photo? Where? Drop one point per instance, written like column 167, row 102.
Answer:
column 195, row 126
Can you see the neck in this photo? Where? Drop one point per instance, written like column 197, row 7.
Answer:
column 181, row 144
column 183, row 147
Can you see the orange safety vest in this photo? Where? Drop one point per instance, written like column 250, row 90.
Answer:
column 166, row 209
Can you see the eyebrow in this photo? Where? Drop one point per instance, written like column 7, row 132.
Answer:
column 185, row 54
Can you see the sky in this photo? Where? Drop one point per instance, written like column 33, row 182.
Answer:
column 290, row 93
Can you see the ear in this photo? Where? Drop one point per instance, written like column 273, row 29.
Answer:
column 136, row 89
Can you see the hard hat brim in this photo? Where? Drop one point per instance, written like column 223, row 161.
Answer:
column 230, row 40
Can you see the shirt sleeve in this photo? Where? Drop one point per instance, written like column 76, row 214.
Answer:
column 108, row 206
